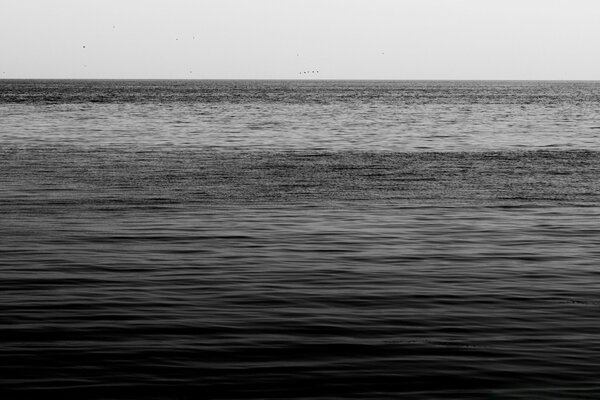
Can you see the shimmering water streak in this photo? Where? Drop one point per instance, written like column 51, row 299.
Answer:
column 300, row 115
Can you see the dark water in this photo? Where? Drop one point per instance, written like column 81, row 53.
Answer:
column 318, row 240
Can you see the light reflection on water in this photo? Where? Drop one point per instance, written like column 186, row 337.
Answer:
column 301, row 115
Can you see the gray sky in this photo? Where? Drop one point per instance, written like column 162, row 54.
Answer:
column 277, row 39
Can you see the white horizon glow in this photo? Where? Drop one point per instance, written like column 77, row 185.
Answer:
column 277, row 39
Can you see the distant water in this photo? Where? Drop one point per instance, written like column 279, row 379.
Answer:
column 299, row 239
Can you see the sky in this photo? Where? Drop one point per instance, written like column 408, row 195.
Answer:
column 281, row 39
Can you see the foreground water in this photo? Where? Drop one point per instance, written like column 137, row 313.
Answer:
column 326, row 255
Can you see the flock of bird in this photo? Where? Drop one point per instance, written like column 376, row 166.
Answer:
column 194, row 37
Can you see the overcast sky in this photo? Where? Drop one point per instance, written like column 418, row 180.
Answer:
column 278, row 39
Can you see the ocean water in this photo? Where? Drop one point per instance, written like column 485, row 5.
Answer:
column 299, row 239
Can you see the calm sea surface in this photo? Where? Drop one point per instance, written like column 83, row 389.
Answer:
column 299, row 239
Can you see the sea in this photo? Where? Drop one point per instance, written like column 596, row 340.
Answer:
column 235, row 239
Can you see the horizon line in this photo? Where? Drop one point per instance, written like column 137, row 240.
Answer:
column 307, row 80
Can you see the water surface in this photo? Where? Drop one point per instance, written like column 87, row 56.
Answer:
column 243, row 239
